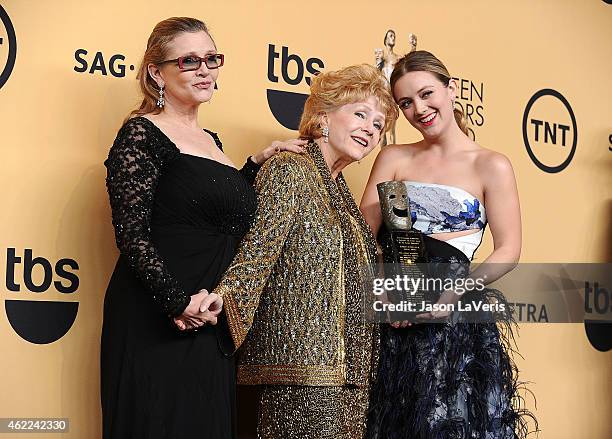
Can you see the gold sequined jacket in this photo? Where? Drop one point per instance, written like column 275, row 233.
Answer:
column 293, row 294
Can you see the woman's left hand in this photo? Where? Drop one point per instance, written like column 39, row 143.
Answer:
column 293, row 145
column 434, row 315
column 447, row 301
column 203, row 309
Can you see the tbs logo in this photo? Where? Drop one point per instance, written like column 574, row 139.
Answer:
column 550, row 131
column 286, row 106
column 39, row 321
column 8, row 47
column 598, row 300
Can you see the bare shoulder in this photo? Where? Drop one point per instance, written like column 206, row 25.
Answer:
column 392, row 153
column 493, row 167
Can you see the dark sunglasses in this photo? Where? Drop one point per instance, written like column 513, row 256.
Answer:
column 192, row 62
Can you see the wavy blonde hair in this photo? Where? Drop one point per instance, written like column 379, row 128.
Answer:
column 424, row 61
column 331, row 90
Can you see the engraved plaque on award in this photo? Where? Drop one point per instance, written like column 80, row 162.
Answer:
column 403, row 246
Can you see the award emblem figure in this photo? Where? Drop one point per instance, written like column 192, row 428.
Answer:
column 412, row 39
column 385, row 60
column 403, row 246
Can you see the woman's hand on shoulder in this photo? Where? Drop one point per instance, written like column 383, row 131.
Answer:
column 293, row 145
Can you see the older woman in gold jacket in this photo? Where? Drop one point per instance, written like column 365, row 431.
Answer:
column 292, row 294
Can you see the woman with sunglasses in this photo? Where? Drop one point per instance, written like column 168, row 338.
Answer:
column 179, row 208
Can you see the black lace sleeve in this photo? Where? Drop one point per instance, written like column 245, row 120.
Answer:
column 133, row 167
column 249, row 169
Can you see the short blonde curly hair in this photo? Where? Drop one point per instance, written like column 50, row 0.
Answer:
column 331, row 90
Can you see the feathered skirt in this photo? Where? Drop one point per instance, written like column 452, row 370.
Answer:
column 451, row 380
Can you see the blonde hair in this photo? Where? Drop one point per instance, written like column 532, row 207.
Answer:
column 157, row 50
column 424, row 61
column 331, row 90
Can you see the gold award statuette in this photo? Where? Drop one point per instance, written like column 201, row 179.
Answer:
column 403, row 246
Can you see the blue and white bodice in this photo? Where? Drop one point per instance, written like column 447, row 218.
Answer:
column 438, row 208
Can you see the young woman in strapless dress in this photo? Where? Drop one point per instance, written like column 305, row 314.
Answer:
column 453, row 379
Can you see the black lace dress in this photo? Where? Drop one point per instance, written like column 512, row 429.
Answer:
column 178, row 220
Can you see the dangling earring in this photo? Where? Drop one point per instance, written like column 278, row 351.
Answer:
column 160, row 100
column 325, row 133
column 216, row 87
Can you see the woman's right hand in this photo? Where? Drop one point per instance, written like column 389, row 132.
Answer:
column 293, row 145
column 203, row 309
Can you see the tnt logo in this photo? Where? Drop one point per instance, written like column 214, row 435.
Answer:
column 8, row 47
column 550, row 132
column 287, row 106
column 39, row 321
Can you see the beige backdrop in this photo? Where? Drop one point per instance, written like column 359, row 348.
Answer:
column 58, row 124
